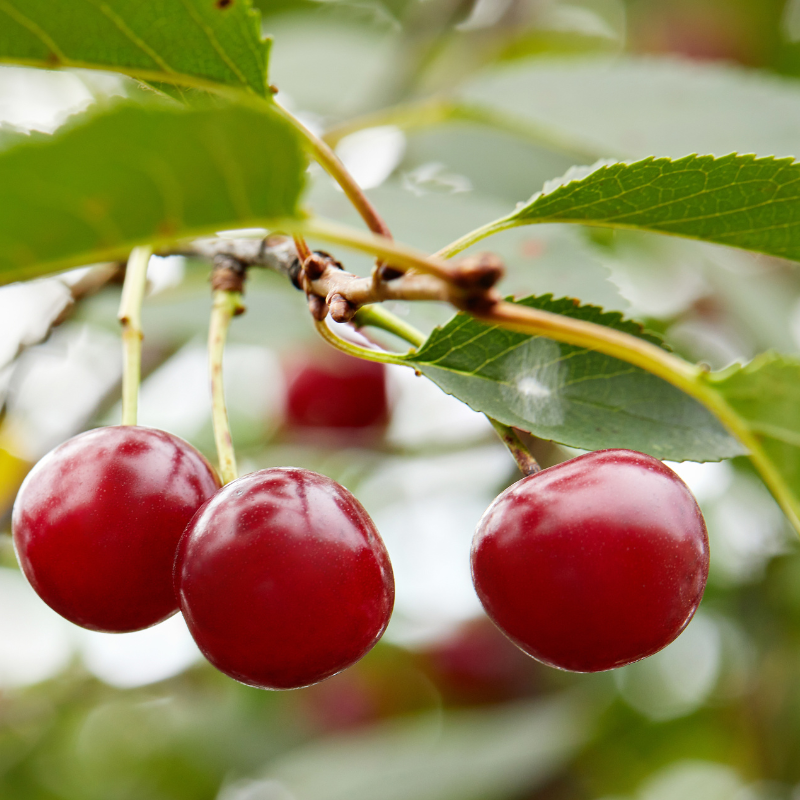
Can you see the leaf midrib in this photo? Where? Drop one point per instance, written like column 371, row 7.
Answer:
column 173, row 75
column 245, row 95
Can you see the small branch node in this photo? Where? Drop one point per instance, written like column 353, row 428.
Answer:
column 481, row 271
column 317, row 263
column 228, row 275
column 387, row 273
column 318, row 307
column 341, row 309
column 314, row 266
column 478, row 304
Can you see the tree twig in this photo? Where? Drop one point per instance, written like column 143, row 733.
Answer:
column 467, row 284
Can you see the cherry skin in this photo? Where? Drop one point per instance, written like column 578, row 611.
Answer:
column 97, row 522
column 594, row 563
column 283, row 579
column 341, row 392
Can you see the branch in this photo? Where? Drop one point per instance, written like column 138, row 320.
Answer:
column 467, row 284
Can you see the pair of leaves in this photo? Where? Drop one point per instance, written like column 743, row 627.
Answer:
column 142, row 174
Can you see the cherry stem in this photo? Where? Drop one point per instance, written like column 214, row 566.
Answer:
column 226, row 305
column 377, row 317
column 527, row 464
column 352, row 349
column 421, row 114
column 130, row 317
column 331, row 163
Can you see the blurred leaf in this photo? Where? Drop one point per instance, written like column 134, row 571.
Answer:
column 10, row 136
column 142, row 174
column 641, row 106
column 740, row 201
column 766, row 394
column 452, row 756
column 327, row 65
column 189, row 42
column 573, row 396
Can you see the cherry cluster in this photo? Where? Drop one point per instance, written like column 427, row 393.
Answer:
column 284, row 580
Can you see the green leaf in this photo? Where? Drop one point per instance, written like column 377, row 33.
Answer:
column 456, row 755
column 573, row 396
column 743, row 201
column 142, row 174
column 204, row 43
column 636, row 107
column 765, row 394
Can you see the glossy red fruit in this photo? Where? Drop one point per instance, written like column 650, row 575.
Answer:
column 97, row 521
column 594, row 563
column 283, row 579
column 337, row 392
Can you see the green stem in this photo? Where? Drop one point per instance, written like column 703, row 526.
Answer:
column 428, row 113
column 704, row 391
column 407, row 116
column 378, row 317
column 473, row 237
column 130, row 316
column 356, row 350
column 226, row 305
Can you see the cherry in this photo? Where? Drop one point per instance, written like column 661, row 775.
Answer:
column 283, row 579
column 477, row 665
column 97, row 521
column 594, row 563
column 339, row 392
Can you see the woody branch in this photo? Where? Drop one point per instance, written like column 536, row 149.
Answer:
column 467, row 284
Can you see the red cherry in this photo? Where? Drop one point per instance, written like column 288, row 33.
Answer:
column 339, row 392
column 476, row 665
column 594, row 563
column 97, row 522
column 283, row 579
